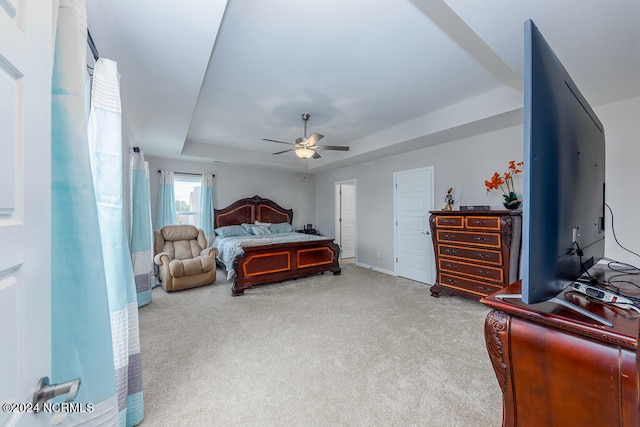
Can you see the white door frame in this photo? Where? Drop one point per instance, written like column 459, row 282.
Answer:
column 431, row 190
column 337, row 224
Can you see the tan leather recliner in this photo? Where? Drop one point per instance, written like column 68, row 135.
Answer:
column 183, row 257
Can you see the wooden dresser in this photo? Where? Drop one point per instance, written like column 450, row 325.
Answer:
column 477, row 252
column 557, row 367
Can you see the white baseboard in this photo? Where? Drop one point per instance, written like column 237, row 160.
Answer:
column 378, row 269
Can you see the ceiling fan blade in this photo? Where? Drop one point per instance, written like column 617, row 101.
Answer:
column 285, row 151
column 279, row 142
column 316, row 155
column 313, row 138
column 331, row 147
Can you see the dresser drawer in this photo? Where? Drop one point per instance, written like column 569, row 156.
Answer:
column 486, row 256
column 471, row 269
column 470, row 285
column 450, row 221
column 483, row 222
column 487, row 240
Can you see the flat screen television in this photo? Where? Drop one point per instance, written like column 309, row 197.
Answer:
column 564, row 176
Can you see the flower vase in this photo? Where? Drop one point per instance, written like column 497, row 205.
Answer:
column 515, row 204
column 511, row 201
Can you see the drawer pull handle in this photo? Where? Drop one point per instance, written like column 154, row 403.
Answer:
column 449, row 236
column 485, row 256
column 450, row 251
column 482, row 239
column 484, row 272
column 451, row 266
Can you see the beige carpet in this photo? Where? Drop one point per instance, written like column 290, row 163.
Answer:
column 360, row 349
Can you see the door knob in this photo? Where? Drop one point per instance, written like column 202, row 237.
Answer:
column 45, row 391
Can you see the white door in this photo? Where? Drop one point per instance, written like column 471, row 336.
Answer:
column 413, row 196
column 26, row 43
column 346, row 218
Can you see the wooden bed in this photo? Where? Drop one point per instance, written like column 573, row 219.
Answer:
column 274, row 262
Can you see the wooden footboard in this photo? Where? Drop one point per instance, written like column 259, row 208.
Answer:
column 283, row 261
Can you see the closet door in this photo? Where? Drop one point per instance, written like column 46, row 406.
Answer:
column 413, row 196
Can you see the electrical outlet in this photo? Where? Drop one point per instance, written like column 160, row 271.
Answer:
column 378, row 254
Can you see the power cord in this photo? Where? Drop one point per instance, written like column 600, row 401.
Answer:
column 580, row 254
column 627, row 269
column 621, row 267
column 613, row 231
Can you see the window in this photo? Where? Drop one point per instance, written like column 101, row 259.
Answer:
column 187, row 190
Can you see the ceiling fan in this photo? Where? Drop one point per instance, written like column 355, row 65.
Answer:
column 305, row 147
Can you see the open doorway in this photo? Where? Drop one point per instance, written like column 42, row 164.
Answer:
column 345, row 193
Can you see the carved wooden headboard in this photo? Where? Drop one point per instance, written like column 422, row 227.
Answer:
column 249, row 210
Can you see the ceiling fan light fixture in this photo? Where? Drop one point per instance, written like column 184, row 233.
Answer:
column 304, row 153
column 305, row 146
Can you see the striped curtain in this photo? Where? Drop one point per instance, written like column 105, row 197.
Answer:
column 105, row 149
column 166, row 209
column 141, row 239
column 206, row 207
column 81, row 345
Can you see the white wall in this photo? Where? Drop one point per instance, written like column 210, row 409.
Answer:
column 621, row 122
column 464, row 165
column 291, row 190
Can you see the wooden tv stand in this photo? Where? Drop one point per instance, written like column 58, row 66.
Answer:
column 558, row 368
